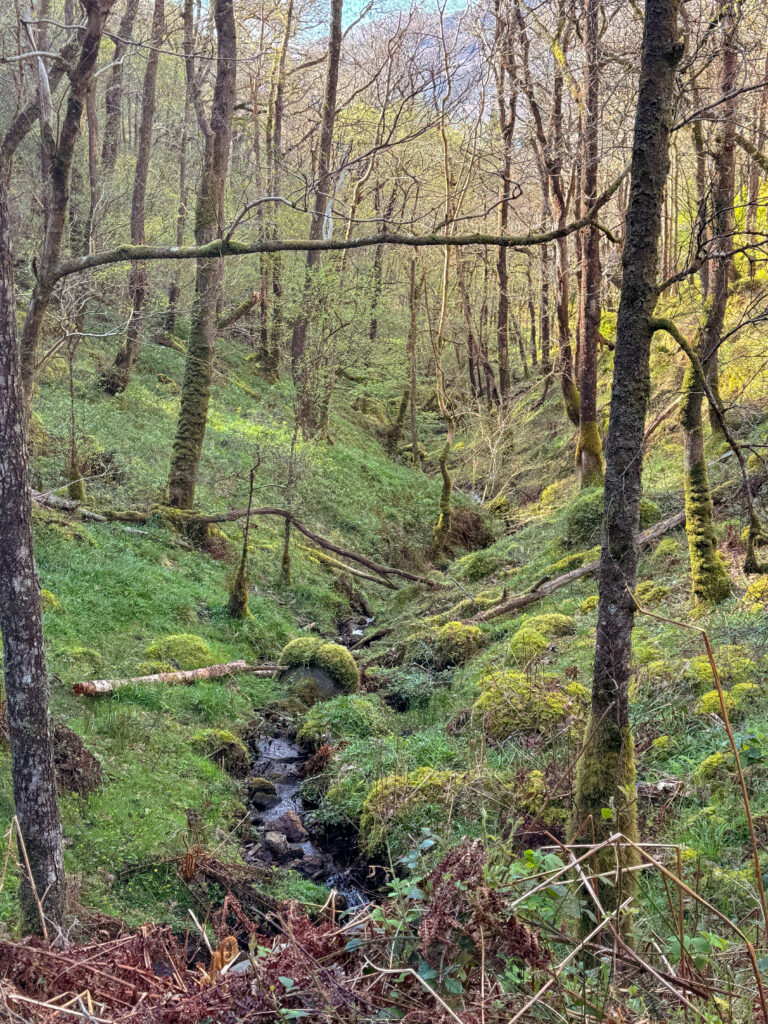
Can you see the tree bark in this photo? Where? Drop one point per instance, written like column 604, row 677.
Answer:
column 589, row 448
column 606, row 772
column 117, row 380
column 507, row 112
column 306, row 411
column 61, row 155
column 709, row 579
column 26, row 680
column 113, row 99
column 96, row 687
column 209, row 224
column 174, row 289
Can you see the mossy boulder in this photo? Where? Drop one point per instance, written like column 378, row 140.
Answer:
column 332, row 659
column 709, row 703
column 552, row 624
column 514, row 704
column 649, row 593
column 589, row 604
column 734, row 666
column 441, row 647
column 744, row 695
column 182, row 651
column 262, row 793
column 478, row 565
column 536, row 802
column 557, row 492
column 667, row 550
column 584, row 516
column 526, row 645
column 402, row 800
column 49, row 601
column 224, row 748
column 350, row 716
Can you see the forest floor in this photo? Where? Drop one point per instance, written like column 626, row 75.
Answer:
column 462, row 738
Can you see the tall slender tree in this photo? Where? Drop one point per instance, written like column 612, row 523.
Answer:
column 209, row 224
column 605, row 780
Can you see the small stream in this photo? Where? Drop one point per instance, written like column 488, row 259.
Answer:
column 280, row 834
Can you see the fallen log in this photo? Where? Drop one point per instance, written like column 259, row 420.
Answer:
column 185, row 517
column 95, row 687
column 549, row 586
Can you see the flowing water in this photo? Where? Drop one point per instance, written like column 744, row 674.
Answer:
column 279, row 760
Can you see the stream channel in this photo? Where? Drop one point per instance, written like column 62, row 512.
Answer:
column 281, row 832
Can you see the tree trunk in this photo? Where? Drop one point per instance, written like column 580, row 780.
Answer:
column 117, row 379
column 61, row 165
column 300, row 370
column 174, row 289
column 113, row 99
column 709, row 579
column 26, row 680
column 507, row 109
column 209, row 224
column 605, row 778
column 589, row 449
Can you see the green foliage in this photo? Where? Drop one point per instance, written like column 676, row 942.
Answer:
column 333, row 659
column 734, row 665
column 589, row 604
column 584, row 516
column 756, row 594
column 49, row 600
column 181, row 650
column 350, row 715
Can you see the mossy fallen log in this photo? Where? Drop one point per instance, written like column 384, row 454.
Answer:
column 96, row 687
column 549, row 586
column 183, row 517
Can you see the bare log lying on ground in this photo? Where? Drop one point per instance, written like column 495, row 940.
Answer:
column 547, row 587
column 95, row 687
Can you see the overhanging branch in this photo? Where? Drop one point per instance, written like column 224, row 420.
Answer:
column 221, row 247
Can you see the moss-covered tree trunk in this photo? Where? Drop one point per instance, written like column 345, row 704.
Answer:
column 709, row 579
column 605, row 799
column 209, row 224
column 589, row 449
column 116, row 380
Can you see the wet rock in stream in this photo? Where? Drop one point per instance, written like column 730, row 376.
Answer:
column 280, row 835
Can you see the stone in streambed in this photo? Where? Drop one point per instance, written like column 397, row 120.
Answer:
column 290, row 825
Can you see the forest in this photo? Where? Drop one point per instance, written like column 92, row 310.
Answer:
column 383, row 511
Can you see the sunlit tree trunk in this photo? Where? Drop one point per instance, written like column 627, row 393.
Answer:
column 589, row 449
column 306, row 410
column 117, row 379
